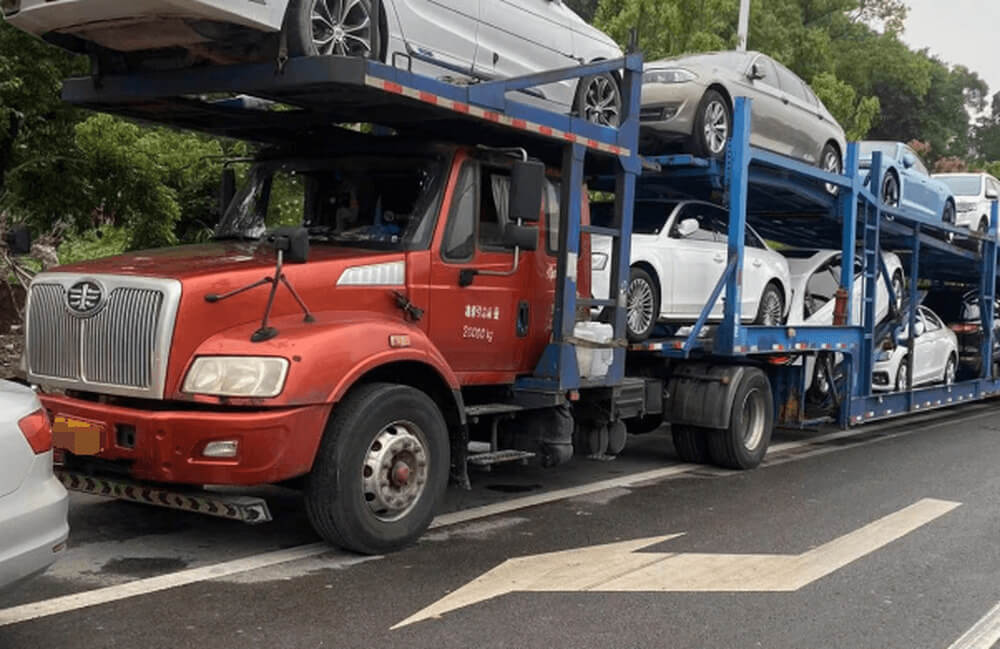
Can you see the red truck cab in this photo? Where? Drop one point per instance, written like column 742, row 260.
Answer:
column 417, row 297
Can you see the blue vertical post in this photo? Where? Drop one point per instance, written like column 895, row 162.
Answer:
column 847, row 210
column 739, row 172
column 987, row 292
column 911, row 312
column 872, row 250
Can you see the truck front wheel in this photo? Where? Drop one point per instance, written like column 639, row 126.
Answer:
column 743, row 444
column 381, row 469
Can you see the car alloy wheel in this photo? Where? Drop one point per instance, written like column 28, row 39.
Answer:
column 897, row 291
column 716, row 127
column 640, row 305
column 832, row 162
column 949, row 372
column 890, row 190
column 902, row 375
column 602, row 101
column 342, row 27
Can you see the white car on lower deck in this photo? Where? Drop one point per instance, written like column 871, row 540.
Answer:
column 935, row 356
column 33, row 503
column 679, row 253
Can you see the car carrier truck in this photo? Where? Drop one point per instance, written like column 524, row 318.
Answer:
column 433, row 296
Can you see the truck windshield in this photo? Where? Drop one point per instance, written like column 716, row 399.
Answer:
column 963, row 185
column 371, row 202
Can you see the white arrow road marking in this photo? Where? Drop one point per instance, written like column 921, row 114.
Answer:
column 617, row 567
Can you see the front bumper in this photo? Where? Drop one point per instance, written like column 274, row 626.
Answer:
column 33, row 526
column 668, row 110
column 167, row 445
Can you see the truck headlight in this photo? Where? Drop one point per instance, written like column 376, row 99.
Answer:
column 598, row 261
column 236, row 376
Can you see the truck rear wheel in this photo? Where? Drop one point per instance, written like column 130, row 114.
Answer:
column 381, row 469
column 743, row 444
column 691, row 443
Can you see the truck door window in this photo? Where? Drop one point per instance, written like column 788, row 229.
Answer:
column 494, row 208
column 459, row 237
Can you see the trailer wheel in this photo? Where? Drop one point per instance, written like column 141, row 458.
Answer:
column 332, row 27
column 381, row 469
column 744, row 443
column 691, row 443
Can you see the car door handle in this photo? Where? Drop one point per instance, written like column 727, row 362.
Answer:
column 757, row 263
column 719, row 258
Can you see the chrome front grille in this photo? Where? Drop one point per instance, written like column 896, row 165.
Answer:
column 121, row 349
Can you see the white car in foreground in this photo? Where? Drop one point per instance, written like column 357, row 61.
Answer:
column 472, row 39
column 935, row 356
column 974, row 196
column 679, row 253
column 33, row 503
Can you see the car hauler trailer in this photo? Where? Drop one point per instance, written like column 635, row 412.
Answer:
column 379, row 359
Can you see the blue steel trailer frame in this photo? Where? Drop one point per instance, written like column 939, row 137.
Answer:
column 330, row 90
column 855, row 209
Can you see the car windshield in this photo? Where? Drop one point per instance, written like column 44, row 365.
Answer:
column 963, row 185
column 648, row 217
column 887, row 149
column 372, row 202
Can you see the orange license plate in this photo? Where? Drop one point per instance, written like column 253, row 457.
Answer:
column 77, row 436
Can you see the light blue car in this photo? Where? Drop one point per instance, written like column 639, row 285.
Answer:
column 906, row 182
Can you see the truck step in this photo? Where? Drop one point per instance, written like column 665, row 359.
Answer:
column 246, row 509
column 485, row 409
column 499, row 457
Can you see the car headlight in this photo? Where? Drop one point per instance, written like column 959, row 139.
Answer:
column 236, row 376
column 598, row 261
column 884, row 355
column 668, row 75
column 965, row 207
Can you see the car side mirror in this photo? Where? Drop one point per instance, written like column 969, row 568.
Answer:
column 991, row 194
column 524, row 237
column 909, row 161
column 756, row 72
column 527, row 184
column 18, row 240
column 919, row 329
column 227, row 189
column 687, row 228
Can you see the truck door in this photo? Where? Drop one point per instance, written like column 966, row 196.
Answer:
column 486, row 326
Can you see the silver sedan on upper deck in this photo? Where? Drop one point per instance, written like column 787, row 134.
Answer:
column 689, row 100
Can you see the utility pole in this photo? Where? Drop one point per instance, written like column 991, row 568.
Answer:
column 744, row 28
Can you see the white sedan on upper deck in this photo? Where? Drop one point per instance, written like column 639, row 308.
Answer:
column 679, row 253
column 33, row 503
column 472, row 39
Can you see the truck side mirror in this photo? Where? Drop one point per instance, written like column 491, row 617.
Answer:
column 18, row 240
column 527, row 183
column 227, row 189
column 525, row 238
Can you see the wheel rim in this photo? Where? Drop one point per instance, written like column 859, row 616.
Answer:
column 602, row 102
column 640, row 306
column 342, row 27
column 395, row 471
column 832, row 163
column 770, row 310
column 901, row 376
column 949, row 372
column 753, row 420
column 716, row 127
column 890, row 191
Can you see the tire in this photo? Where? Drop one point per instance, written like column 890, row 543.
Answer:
column 397, row 426
column 898, row 288
column 691, row 443
column 771, row 309
column 902, row 373
column 713, row 122
column 950, row 370
column 890, row 193
column 643, row 305
column 332, row 33
column 948, row 214
column 830, row 159
column 599, row 100
column 744, row 443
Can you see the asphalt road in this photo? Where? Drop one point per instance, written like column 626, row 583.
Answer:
column 883, row 537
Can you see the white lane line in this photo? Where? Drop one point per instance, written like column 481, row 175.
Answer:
column 983, row 635
column 67, row 603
